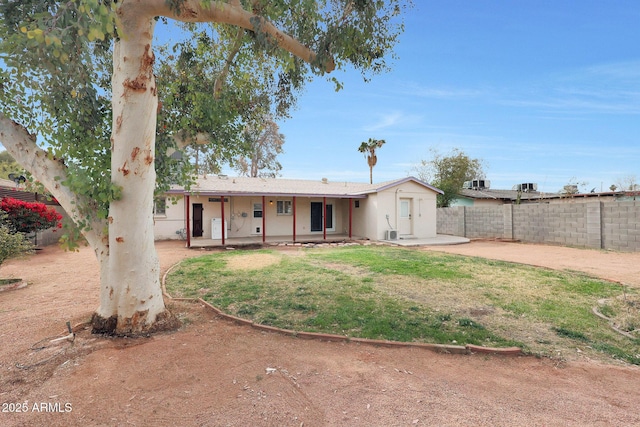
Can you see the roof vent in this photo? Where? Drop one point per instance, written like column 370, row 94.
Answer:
column 325, row 181
column 221, row 176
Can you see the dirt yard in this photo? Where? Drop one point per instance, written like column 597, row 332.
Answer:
column 215, row 373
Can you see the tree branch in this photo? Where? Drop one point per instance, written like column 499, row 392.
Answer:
column 49, row 171
column 222, row 12
column 237, row 43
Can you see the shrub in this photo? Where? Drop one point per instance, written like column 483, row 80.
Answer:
column 29, row 217
column 12, row 244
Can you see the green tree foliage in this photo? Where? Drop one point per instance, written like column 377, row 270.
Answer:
column 12, row 244
column 82, row 110
column 369, row 148
column 449, row 172
column 9, row 166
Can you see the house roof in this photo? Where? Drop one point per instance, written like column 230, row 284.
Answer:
column 504, row 195
column 7, row 183
column 512, row 195
column 9, row 188
column 244, row 186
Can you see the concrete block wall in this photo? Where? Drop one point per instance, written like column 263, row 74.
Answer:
column 484, row 221
column 621, row 226
column 530, row 223
column 450, row 221
column 601, row 225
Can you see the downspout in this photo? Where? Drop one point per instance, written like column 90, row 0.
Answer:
column 350, row 216
column 396, row 213
column 188, row 228
column 224, row 228
column 294, row 219
column 324, row 218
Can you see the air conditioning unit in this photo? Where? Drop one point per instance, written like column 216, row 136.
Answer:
column 391, row 235
column 527, row 186
column 477, row 184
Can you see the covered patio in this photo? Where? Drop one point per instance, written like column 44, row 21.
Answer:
column 202, row 242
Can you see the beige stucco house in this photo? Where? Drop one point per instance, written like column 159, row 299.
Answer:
column 273, row 209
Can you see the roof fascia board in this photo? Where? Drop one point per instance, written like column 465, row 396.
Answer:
column 267, row 194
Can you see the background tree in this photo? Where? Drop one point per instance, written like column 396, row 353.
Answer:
column 629, row 184
column 79, row 108
column 368, row 148
column 449, row 172
column 573, row 187
column 264, row 142
column 9, row 166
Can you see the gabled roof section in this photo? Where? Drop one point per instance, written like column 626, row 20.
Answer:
column 390, row 184
column 244, row 186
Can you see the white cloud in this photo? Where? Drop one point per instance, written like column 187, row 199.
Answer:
column 393, row 119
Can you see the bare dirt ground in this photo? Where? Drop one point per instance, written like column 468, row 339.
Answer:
column 215, row 373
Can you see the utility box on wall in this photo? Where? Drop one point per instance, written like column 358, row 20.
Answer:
column 217, row 228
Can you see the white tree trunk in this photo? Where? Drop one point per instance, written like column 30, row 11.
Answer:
column 50, row 173
column 131, row 300
column 131, row 296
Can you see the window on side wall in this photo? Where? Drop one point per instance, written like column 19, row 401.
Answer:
column 284, row 207
column 160, row 207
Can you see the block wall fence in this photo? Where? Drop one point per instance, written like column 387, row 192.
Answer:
column 598, row 225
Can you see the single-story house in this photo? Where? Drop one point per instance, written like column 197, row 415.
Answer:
column 221, row 210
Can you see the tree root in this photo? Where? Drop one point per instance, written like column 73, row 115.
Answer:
column 135, row 326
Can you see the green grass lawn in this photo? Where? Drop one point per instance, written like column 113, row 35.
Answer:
column 404, row 294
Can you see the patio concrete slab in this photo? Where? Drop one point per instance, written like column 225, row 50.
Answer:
column 439, row 240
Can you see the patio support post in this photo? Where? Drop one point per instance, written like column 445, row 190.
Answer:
column 224, row 228
column 188, row 227
column 324, row 218
column 264, row 216
column 294, row 219
column 350, row 216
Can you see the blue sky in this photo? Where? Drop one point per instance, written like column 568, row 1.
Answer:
column 541, row 91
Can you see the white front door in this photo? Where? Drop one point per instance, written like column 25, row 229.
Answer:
column 256, row 216
column 405, row 227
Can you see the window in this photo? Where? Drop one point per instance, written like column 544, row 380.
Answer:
column 284, row 207
column 160, row 206
column 404, row 209
column 257, row 210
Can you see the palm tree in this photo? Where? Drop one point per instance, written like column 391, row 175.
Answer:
column 369, row 150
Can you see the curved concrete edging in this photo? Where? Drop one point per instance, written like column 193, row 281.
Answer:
column 438, row 348
column 610, row 321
